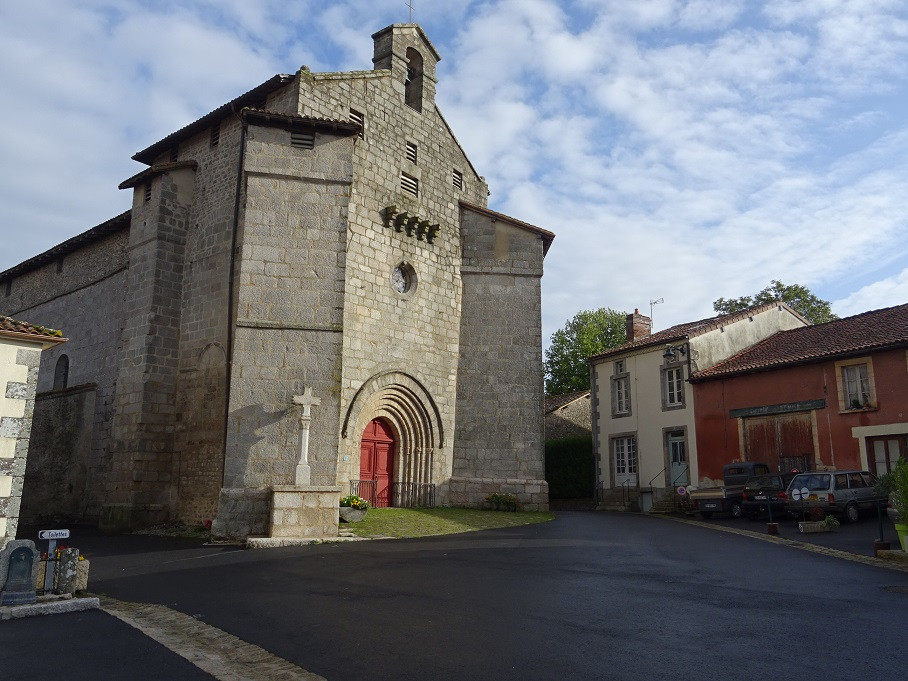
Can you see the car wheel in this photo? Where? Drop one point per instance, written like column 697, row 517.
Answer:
column 736, row 510
column 851, row 513
column 706, row 515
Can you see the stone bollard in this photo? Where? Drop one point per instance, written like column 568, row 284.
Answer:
column 18, row 564
column 67, row 571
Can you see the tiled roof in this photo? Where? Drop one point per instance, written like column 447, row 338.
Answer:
column 12, row 327
column 866, row 332
column 690, row 329
column 89, row 236
column 555, row 402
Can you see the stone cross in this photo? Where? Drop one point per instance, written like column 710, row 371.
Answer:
column 306, row 401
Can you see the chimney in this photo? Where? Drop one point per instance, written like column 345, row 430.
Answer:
column 638, row 326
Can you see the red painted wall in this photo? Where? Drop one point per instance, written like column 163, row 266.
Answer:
column 718, row 440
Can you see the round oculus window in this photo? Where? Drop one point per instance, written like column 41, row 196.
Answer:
column 403, row 278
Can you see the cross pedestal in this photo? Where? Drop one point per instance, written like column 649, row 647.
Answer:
column 303, row 475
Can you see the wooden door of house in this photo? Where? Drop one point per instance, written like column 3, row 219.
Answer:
column 376, row 462
column 784, row 441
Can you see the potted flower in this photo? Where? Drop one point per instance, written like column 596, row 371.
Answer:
column 353, row 508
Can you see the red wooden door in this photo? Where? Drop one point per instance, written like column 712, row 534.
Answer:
column 376, row 461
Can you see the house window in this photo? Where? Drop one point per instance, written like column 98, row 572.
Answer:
column 174, row 154
column 625, row 452
column 621, row 391
column 458, row 179
column 672, row 387
column 147, row 193
column 360, row 119
column 215, row 134
column 855, row 384
column 412, row 152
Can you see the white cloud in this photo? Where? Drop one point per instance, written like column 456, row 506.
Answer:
column 885, row 293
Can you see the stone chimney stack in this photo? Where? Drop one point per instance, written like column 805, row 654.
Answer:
column 638, row 326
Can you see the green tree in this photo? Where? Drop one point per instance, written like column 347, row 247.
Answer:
column 815, row 310
column 588, row 333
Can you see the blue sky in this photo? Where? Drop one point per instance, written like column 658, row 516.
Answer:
column 683, row 150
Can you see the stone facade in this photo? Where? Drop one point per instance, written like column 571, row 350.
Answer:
column 20, row 356
column 322, row 232
column 568, row 416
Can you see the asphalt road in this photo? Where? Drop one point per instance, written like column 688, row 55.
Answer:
column 589, row 595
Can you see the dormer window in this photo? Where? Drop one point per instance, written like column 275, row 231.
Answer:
column 413, row 84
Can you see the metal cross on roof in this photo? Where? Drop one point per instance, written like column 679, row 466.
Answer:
column 410, row 5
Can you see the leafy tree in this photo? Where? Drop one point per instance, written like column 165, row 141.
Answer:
column 588, row 333
column 815, row 310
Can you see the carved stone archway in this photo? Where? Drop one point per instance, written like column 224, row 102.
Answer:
column 408, row 407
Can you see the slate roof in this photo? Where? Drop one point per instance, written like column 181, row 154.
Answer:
column 555, row 402
column 867, row 332
column 16, row 329
column 248, row 99
column 546, row 235
column 689, row 329
column 96, row 233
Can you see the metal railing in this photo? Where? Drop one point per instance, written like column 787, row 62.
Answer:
column 414, row 494
column 367, row 489
column 398, row 494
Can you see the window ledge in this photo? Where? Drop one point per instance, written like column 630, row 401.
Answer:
column 858, row 410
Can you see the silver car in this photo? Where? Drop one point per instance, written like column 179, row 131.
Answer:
column 844, row 493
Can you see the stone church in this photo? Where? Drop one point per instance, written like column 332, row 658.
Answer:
column 308, row 289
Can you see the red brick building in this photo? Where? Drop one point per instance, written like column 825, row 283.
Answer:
column 830, row 396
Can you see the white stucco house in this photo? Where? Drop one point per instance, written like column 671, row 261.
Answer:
column 644, row 436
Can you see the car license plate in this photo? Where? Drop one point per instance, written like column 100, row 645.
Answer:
column 760, row 497
column 710, row 505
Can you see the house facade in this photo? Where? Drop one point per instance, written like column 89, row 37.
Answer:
column 568, row 415
column 644, row 427
column 20, row 356
column 309, row 287
column 824, row 397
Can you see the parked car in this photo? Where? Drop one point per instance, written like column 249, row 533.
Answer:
column 764, row 492
column 726, row 498
column 844, row 493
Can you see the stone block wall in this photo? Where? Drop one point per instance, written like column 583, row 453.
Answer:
column 84, row 298
column 498, row 445
column 19, row 364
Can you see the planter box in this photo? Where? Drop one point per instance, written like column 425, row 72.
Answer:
column 809, row 526
column 349, row 514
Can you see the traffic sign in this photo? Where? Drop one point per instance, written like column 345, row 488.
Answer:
column 682, row 490
column 53, row 534
column 798, row 494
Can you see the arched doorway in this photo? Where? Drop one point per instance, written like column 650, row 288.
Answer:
column 376, row 463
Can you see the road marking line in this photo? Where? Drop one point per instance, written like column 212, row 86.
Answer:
column 212, row 650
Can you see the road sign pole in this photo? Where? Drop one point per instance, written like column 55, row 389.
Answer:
column 50, row 565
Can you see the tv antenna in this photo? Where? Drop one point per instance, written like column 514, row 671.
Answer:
column 651, row 303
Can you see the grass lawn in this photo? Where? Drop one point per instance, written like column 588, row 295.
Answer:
column 425, row 522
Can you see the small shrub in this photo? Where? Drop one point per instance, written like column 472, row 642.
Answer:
column 831, row 522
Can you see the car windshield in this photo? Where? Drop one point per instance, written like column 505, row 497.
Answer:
column 812, row 481
column 763, row 482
